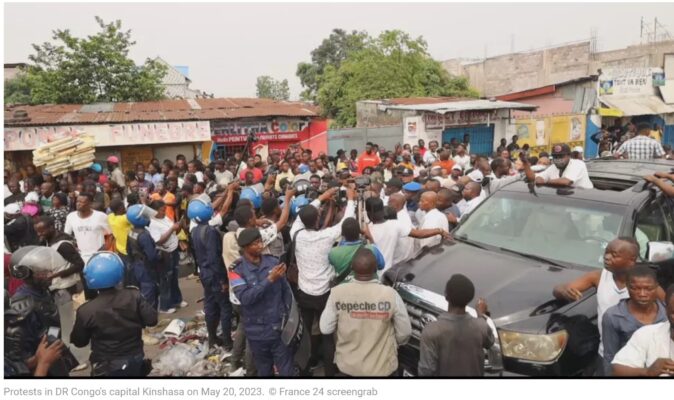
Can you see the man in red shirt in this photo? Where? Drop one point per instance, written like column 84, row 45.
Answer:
column 257, row 172
column 368, row 159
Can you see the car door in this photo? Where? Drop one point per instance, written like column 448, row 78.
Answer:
column 666, row 268
column 651, row 226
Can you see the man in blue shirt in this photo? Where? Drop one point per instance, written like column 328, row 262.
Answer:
column 642, row 308
column 260, row 284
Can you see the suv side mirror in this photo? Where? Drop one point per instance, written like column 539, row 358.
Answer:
column 660, row 251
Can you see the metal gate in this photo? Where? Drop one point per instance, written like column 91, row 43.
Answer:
column 481, row 138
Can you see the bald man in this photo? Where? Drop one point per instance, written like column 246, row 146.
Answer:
column 446, row 203
column 471, row 193
column 433, row 218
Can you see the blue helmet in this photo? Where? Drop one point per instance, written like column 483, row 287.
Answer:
column 303, row 169
column 139, row 215
column 103, row 270
column 297, row 204
column 96, row 167
column 199, row 210
column 252, row 195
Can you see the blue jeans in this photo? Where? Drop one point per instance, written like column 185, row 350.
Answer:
column 169, row 290
column 217, row 305
column 268, row 353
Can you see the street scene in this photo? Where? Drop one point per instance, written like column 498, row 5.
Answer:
column 350, row 199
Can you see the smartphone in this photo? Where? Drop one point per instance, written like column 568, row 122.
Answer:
column 53, row 334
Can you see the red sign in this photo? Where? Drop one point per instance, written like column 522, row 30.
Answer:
column 264, row 137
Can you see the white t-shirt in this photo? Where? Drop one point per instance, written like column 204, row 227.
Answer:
column 434, row 219
column 405, row 247
column 7, row 192
column 429, row 158
column 464, row 161
column 386, row 235
column 608, row 295
column 466, row 207
column 88, row 232
column 575, row 171
column 157, row 229
column 216, row 221
column 200, row 176
column 223, row 178
column 646, row 345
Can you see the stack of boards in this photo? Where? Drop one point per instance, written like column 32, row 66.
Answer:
column 68, row 154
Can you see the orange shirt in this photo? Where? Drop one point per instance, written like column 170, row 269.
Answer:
column 447, row 165
column 168, row 198
column 368, row 160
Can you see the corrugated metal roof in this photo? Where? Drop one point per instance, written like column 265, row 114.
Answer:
column 463, row 105
column 168, row 110
column 634, row 105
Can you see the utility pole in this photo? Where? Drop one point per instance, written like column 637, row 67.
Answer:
column 655, row 30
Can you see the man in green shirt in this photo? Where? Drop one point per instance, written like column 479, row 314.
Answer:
column 340, row 257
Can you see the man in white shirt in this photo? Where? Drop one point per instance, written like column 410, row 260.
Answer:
column 312, row 248
column 565, row 172
column 472, row 196
column 650, row 350
column 404, row 249
column 385, row 233
column 222, row 175
column 461, row 158
column 88, row 226
column 431, row 155
column 432, row 219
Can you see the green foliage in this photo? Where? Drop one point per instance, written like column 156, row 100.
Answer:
column 331, row 52
column 269, row 88
column 391, row 65
column 92, row 70
column 17, row 90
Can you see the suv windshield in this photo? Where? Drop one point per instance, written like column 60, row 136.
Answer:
column 564, row 229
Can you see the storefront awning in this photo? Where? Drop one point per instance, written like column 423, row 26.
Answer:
column 637, row 105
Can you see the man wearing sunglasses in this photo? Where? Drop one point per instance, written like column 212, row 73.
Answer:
column 564, row 171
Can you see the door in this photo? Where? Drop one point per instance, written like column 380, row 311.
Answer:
column 481, row 138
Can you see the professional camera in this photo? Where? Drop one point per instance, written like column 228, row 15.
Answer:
column 301, row 186
column 252, row 138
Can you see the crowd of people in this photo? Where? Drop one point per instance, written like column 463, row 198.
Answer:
column 294, row 237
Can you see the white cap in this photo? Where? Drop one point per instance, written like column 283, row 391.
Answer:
column 578, row 149
column 476, row 176
column 457, row 167
column 13, row 208
column 32, row 198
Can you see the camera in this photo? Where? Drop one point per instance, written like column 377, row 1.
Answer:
column 252, row 138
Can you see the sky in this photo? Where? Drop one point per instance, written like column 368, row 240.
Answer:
column 227, row 46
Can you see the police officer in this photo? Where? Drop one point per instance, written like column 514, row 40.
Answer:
column 142, row 253
column 113, row 321
column 207, row 245
column 260, row 285
column 35, row 311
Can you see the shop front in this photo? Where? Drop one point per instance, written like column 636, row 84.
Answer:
column 132, row 143
column 231, row 136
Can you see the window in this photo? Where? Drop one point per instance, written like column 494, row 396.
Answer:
column 650, row 227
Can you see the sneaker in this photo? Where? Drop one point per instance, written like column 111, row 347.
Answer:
column 200, row 313
column 238, row 372
column 150, row 340
column 81, row 367
column 193, row 276
column 183, row 304
column 169, row 311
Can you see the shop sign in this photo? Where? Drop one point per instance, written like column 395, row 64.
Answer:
column 248, row 127
column 630, row 81
column 30, row 138
column 265, row 137
column 434, row 120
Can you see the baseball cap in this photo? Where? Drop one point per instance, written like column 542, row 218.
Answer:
column 113, row 159
column 476, row 176
column 32, row 198
column 579, row 149
column 395, row 182
column 248, row 236
column 407, row 172
column 13, row 208
column 412, row 187
column 561, row 149
column 457, row 167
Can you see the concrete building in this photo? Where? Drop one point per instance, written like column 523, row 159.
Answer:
column 176, row 82
column 12, row 70
column 443, row 119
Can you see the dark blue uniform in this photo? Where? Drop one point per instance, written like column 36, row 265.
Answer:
column 264, row 306
column 143, row 257
column 207, row 245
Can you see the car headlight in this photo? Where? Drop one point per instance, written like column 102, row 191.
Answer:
column 532, row 347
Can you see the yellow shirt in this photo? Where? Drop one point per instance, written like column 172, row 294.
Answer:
column 120, row 227
column 657, row 136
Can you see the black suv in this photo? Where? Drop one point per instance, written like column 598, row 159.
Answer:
column 521, row 242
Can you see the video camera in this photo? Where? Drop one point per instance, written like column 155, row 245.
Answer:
column 362, row 182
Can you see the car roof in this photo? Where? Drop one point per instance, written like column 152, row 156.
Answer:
column 625, row 197
column 633, row 170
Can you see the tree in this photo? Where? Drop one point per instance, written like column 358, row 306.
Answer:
column 269, row 88
column 92, row 69
column 331, row 52
column 17, row 90
column 392, row 65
